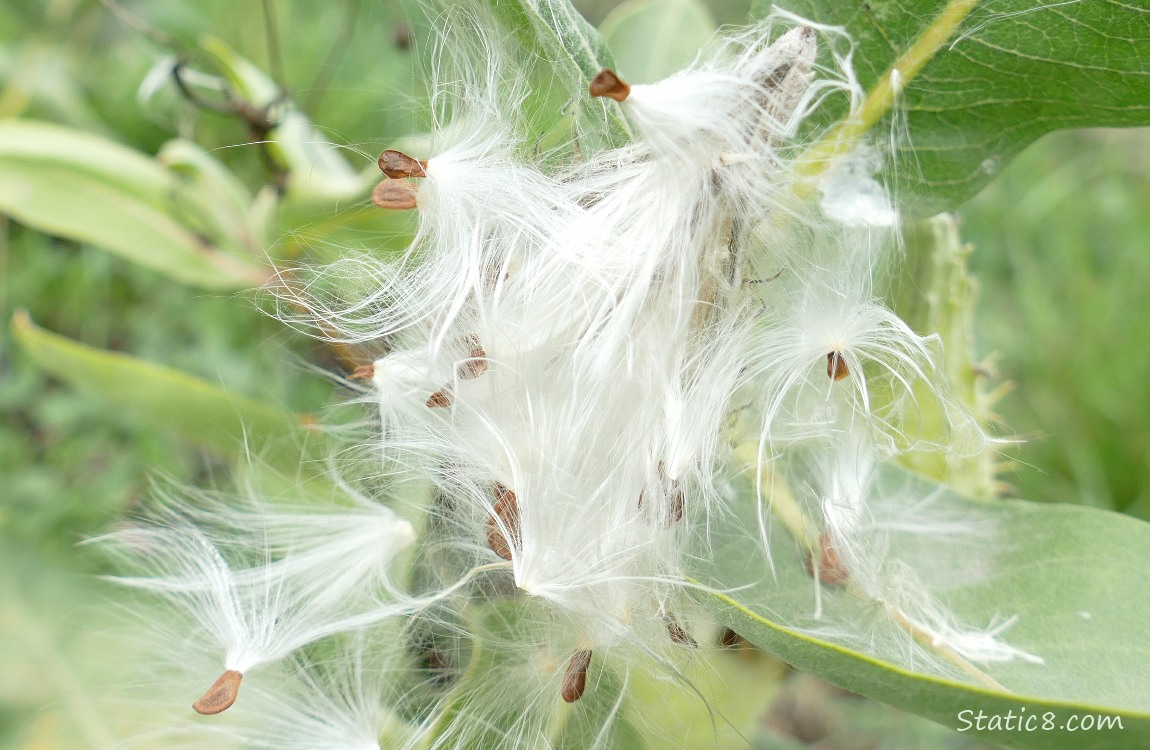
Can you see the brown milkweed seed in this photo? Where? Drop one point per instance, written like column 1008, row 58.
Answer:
column 678, row 634
column 606, row 83
column 363, row 372
column 506, row 509
column 221, row 695
column 476, row 362
column 836, row 366
column 575, row 678
column 440, row 399
column 397, row 165
column 674, row 506
column 674, row 495
column 395, row 195
column 830, row 568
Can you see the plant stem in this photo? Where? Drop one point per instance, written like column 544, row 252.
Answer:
column 881, row 98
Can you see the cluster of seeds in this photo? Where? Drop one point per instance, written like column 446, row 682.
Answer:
column 581, row 346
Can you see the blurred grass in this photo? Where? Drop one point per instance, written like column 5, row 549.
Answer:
column 1061, row 253
column 71, row 465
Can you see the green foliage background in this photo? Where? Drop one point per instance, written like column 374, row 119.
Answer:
column 1061, row 255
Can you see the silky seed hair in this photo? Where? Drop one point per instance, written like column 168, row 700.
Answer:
column 577, row 343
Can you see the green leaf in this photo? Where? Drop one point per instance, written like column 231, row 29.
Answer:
column 167, row 399
column 985, row 79
column 1071, row 575
column 315, row 167
column 90, row 189
column 511, row 688
column 216, row 197
column 575, row 50
column 651, row 39
column 55, row 655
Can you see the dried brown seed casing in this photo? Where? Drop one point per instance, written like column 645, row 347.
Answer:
column 221, row 695
column 506, row 510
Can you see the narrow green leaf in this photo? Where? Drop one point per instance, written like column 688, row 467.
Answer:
column 167, row 399
column 216, row 198
column 1075, row 578
column 651, row 39
column 90, row 189
column 315, row 167
column 972, row 95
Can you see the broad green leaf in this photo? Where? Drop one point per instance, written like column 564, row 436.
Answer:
column 167, row 399
column 742, row 683
column 90, row 189
column 1074, row 577
column 651, row 39
column 981, row 80
column 576, row 52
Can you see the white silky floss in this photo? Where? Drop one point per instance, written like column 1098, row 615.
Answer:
column 568, row 345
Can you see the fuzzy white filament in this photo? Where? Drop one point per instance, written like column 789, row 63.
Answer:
column 570, row 341
column 260, row 583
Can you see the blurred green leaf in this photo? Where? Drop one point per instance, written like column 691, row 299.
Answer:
column 741, row 683
column 1061, row 256
column 52, row 653
column 167, row 399
column 90, row 189
column 1007, row 73
column 651, row 39
column 215, row 196
column 315, row 168
column 1069, row 574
